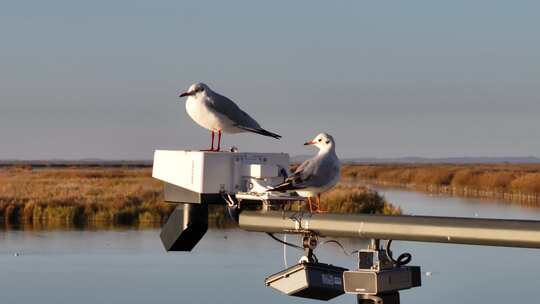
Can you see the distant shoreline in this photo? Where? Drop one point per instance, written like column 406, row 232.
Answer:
column 76, row 164
column 99, row 163
column 513, row 183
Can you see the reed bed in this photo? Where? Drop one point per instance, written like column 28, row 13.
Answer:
column 343, row 199
column 78, row 196
column 511, row 182
column 121, row 196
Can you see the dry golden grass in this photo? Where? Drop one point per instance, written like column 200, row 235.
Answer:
column 529, row 182
column 67, row 196
column 496, row 177
column 128, row 196
column 343, row 199
column 352, row 199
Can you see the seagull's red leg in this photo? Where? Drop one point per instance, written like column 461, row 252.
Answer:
column 218, row 140
column 319, row 210
column 212, row 147
column 309, row 203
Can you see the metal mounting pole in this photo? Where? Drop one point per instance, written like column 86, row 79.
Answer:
column 473, row 231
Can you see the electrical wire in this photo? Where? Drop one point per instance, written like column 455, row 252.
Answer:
column 285, row 251
column 341, row 246
column 315, row 258
column 403, row 259
column 283, row 242
column 228, row 199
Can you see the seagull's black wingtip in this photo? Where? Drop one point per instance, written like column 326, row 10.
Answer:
column 261, row 132
column 283, row 187
column 268, row 133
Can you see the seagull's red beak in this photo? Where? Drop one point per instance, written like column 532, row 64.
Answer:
column 185, row 94
column 309, row 143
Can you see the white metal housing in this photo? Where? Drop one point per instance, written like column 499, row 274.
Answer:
column 217, row 172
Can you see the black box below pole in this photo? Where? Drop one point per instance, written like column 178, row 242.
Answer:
column 185, row 227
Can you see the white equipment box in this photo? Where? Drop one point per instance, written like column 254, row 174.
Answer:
column 200, row 176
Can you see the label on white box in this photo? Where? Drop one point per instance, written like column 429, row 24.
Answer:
column 262, row 171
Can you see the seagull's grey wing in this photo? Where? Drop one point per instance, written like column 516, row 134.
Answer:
column 238, row 117
column 314, row 172
column 228, row 108
column 295, row 181
column 303, row 172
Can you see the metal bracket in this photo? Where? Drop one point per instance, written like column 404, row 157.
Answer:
column 309, row 242
column 374, row 258
column 388, row 298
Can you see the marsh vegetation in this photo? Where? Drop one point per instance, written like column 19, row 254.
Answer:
column 122, row 196
column 512, row 182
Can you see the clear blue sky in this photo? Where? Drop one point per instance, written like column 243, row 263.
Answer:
column 100, row 78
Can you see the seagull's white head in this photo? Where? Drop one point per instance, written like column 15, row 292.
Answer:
column 196, row 90
column 323, row 141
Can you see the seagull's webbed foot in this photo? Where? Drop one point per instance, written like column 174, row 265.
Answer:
column 316, row 208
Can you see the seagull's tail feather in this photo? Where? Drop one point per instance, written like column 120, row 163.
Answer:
column 262, row 132
column 285, row 186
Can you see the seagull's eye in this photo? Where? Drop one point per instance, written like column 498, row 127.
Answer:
column 327, row 142
column 320, row 139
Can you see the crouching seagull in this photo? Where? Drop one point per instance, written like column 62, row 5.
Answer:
column 316, row 175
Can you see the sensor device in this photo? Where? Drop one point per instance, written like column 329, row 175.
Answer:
column 309, row 280
column 372, row 283
column 196, row 179
column 379, row 277
column 200, row 177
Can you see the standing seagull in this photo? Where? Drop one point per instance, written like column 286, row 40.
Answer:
column 317, row 174
column 218, row 113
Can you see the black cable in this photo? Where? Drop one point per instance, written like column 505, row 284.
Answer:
column 315, row 259
column 403, row 259
column 233, row 212
column 342, row 247
column 283, row 242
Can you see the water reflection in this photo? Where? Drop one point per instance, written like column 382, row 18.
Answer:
column 229, row 265
column 417, row 203
column 94, row 226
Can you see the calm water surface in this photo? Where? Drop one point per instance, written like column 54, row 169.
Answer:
column 229, row 266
